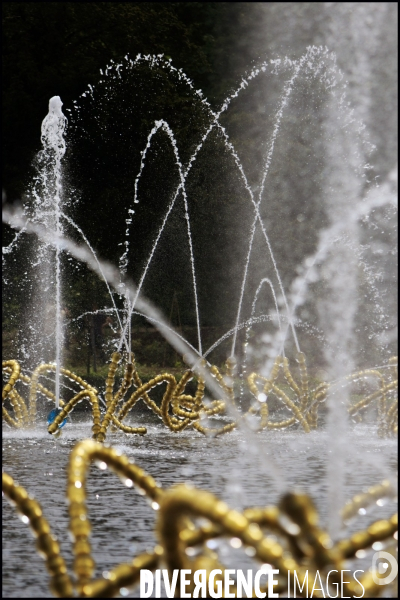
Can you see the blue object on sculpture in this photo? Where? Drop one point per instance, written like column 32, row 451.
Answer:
column 52, row 415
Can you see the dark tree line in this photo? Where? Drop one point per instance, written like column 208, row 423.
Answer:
column 58, row 48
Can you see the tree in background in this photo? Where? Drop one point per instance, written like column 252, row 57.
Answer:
column 58, row 48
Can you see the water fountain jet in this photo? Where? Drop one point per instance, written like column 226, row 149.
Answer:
column 274, row 381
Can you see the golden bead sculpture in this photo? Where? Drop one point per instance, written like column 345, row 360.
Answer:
column 60, row 582
column 298, row 546
column 360, row 502
column 179, row 410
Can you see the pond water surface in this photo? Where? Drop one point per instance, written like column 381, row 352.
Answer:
column 122, row 520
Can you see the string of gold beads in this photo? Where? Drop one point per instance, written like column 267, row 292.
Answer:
column 302, row 546
column 180, row 410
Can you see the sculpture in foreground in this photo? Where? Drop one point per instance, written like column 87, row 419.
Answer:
column 299, row 545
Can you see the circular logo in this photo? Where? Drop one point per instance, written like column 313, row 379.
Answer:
column 383, row 562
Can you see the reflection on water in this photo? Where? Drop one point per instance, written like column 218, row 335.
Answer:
column 123, row 522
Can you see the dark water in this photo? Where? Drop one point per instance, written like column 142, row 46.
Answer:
column 122, row 520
